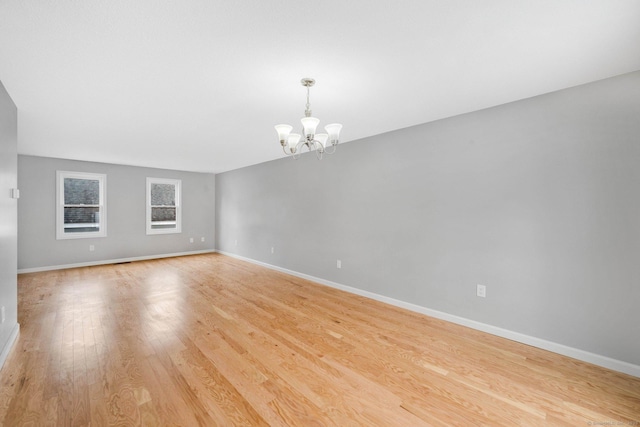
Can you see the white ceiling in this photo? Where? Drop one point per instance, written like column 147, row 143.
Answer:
column 198, row 84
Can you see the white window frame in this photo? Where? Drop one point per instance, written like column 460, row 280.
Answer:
column 102, row 205
column 177, row 183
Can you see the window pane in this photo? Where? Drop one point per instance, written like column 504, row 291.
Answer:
column 80, row 220
column 84, row 215
column 81, row 191
column 163, row 214
column 163, row 195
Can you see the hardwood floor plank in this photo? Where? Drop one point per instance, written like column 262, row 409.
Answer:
column 212, row 340
column 171, row 408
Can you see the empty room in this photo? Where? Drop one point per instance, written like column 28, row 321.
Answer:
column 327, row 213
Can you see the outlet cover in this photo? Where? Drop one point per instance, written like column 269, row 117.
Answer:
column 481, row 291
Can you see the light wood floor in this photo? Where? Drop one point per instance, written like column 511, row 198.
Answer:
column 211, row 340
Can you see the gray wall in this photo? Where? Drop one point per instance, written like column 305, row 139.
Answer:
column 9, row 223
column 126, row 199
column 538, row 200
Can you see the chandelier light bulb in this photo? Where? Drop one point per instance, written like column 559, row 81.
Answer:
column 292, row 141
column 334, row 132
column 309, row 125
column 322, row 139
column 283, row 132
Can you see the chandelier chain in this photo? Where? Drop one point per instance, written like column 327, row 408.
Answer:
column 307, row 112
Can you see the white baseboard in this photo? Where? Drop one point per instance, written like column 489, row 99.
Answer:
column 111, row 261
column 9, row 344
column 585, row 356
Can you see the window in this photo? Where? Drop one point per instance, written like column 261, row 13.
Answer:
column 81, row 205
column 163, row 206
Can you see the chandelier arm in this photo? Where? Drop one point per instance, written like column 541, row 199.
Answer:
column 332, row 151
column 299, row 147
column 319, row 149
column 290, row 151
column 317, row 145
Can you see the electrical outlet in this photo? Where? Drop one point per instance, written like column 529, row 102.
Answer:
column 272, row 249
column 339, row 264
column 481, row 291
column 236, row 242
column 92, row 248
column 190, row 239
column 202, row 239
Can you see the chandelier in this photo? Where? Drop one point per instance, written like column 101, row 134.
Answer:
column 321, row 143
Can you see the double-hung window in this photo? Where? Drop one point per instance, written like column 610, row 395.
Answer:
column 163, row 206
column 81, row 205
